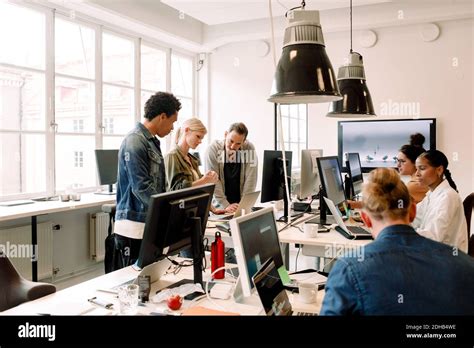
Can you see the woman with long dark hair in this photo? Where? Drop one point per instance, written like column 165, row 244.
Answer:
column 440, row 215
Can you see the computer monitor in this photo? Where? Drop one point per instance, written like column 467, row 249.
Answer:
column 255, row 238
column 354, row 179
column 273, row 184
column 331, row 185
column 176, row 221
column 107, row 167
column 310, row 182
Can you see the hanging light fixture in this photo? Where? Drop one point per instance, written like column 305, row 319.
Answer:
column 356, row 100
column 304, row 73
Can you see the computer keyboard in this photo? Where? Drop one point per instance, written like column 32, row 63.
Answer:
column 358, row 230
column 305, row 314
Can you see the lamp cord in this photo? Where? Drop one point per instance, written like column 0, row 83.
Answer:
column 279, row 120
column 351, row 24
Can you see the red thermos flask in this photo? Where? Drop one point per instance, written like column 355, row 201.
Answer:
column 217, row 256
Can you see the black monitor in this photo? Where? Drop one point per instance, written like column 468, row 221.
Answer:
column 176, row 221
column 354, row 179
column 273, row 184
column 331, row 186
column 255, row 238
column 107, row 167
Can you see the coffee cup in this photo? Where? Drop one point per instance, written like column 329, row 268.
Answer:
column 311, row 230
column 308, row 292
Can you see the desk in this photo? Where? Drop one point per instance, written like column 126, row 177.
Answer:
column 73, row 300
column 328, row 244
column 48, row 207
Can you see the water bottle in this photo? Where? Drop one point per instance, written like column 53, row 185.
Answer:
column 217, row 256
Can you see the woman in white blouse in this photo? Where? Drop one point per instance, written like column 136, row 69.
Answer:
column 440, row 215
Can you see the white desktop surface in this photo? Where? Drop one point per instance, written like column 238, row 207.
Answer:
column 48, row 207
column 73, row 300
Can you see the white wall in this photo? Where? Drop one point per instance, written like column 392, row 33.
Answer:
column 239, row 85
column 400, row 67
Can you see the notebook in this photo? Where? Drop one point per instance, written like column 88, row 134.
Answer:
column 350, row 232
column 246, row 203
column 155, row 270
column 272, row 294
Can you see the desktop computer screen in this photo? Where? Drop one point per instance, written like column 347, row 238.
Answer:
column 273, row 178
column 331, row 180
column 107, row 168
column 172, row 222
column 273, row 188
column 354, row 181
column 310, row 182
column 255, row 238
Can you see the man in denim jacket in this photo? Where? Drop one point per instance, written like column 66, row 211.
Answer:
column 141, row 174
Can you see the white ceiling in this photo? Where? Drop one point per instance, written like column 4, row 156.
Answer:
column 212, row 12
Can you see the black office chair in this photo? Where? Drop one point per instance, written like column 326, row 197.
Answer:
column 468, row 206
column 14, row 289
column 109, row 241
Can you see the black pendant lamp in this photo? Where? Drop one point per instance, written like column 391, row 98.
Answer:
column 304, row 73
column 356, row 100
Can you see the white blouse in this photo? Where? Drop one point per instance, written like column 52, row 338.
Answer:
column 440, row 216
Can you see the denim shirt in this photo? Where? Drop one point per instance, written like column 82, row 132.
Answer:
column 401, row 273
column 141, row 173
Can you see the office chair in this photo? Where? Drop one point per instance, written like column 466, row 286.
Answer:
column 14, row 289
column 468, row 206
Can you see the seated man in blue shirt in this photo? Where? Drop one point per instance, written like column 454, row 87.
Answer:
column 401, row 272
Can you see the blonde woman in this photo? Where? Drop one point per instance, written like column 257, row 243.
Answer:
column 182, row 169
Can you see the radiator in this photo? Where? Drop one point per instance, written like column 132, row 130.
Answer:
column 99, row 225
column 16, row 242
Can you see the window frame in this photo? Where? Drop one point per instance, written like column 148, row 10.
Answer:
column 50, row 130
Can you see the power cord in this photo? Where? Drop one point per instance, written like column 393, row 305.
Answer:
column 296, row 260
column 234, row 283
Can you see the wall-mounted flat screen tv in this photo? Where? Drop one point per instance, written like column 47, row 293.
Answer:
column 378, row 141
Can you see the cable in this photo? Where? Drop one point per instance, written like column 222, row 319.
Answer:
column 272, row 31
column 296, row 260
column 351, row 25
column 207, row 286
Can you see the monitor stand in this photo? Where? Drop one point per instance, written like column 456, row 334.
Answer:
column 109, row 192
column 323, row 218
column 251, row 300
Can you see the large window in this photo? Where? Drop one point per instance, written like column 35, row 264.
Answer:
column 22, row 101
column 295, row 129
column 66, row 92
column 74, row 104
column 182, row 84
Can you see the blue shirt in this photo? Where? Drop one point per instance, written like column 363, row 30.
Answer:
column 402, row 273
column 141, row 173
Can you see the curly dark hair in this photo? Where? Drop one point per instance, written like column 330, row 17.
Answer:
column 161, row 102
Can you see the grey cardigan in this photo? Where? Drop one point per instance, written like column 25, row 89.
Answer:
column 215, row 158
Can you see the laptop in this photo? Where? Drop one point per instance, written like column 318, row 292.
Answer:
column 272, row 294
column 350, row 232
column 246, row 203
column 155, row 270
